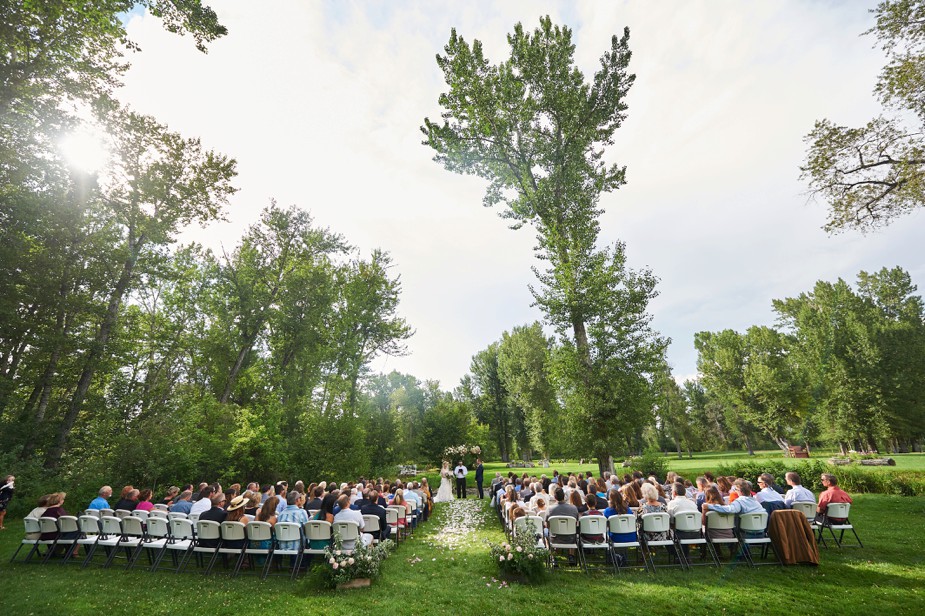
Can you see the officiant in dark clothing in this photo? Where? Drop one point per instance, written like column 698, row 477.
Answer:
column 479, row 477
column 460, row 472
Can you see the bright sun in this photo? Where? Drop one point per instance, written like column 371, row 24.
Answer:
column 85, row 149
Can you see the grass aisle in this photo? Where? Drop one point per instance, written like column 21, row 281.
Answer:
column 445, row 569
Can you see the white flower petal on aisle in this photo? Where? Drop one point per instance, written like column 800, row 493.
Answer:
column 461, row 518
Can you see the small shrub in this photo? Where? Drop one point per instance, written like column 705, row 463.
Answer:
column 651, row 462
column 339, row 567
column 520, row 557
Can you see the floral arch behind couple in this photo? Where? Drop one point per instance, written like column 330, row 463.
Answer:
column 455, row 453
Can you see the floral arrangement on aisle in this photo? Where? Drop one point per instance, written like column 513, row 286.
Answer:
column 461, row 451
column 522, row 558
column 340, row 569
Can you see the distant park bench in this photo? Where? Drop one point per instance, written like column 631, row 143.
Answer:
column 520, row 464
column 407, row 470
column 798, row 451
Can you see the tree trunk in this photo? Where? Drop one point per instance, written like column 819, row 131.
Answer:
column 93, row 356
column 678, row 443
column 748, row 443
column 604, row 464
column 236, row 368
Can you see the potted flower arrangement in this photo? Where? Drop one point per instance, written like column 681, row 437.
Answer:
column 522, row 559
column 354, row 570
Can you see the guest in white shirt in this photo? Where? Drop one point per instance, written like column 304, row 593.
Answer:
column 679, row 501
column 767, row 494
column 346, row 514
column 204, row 503
column 797, row 493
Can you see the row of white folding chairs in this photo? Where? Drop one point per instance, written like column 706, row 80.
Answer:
column 683, row 531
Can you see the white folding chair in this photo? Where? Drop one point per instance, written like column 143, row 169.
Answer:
column 141, row 514
column 317, row 530
column 158, row 513
column 721, row 521
column 257, row 534
column 160, row 507
column 371, row 524
column 176, row 515
column 532, row 525
column 48, row 526
column 624, row 524
column 97, row 513
column 68, row 534
column 688, row 532
column 288, row 532
column 232, row 533
column 391, row 518
column 753, row 531
column 349, row 533
column 193, row 517
column 89, row 532
column 206, row 543
column 179, row 543
column 122, row 513
column 157, row 534
column 838, row 511
column 110, row 534
column 133, row 534
column 108, row 512
column 32, row 528
column 563, row 537
column 659, row 522
column 592, row 537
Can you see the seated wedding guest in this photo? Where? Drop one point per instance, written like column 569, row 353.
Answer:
column 129, row 502
column 346, row 514
column 102, row 499
column 253, row 487
column 797, row 493
column 832, row 494
column 628, row 492
column 766, row 493
column 182, row 504
column 591, row 506
column 725, row 487
column 326, row 510
column 215, row 513
column 144, row 500
column 282, row 491
column 680, row 502
column 372, row 507
column 253, row 502
column 616, row 506
column 713, row 497
column 399, row 501
column 576, row 500
column 702, row 484
column 56, row 510
column 744, row 502
column 235, row 513
column 563, row 508
column 204, row 502
column 651, row 504
column 267, row 512
column 230, row 495
column 315, row 502
column 539, row 506
column 266, row 492
column 170, row 496
column 294, row 513
column 198, row 492
column 38, row 512
column 299, row 487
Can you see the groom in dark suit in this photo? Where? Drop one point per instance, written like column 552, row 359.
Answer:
column 479, row 476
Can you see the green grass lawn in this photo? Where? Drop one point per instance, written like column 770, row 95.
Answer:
column 427, row 575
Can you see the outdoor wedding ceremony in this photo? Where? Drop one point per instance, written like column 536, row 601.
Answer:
column 480, row 307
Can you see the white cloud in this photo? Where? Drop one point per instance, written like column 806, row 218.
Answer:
column 321, row 104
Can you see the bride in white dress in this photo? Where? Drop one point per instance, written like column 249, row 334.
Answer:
column 445, row 492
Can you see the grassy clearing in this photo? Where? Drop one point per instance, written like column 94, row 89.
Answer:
column 430, row 576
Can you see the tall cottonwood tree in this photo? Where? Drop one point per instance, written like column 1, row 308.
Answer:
column 534, row 129
column 870, row 175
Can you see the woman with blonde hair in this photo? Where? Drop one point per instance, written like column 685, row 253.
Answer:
column 399, row 501
column 628, row 492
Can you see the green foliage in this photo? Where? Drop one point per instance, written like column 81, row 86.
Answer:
column 871, row 175
column 521, row 557
column 651, row 462
column 338, row 567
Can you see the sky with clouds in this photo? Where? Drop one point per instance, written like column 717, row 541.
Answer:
column 321, row 104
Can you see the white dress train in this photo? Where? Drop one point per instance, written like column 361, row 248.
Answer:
column 444, row 492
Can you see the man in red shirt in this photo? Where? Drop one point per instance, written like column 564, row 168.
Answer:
column 832, row 494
